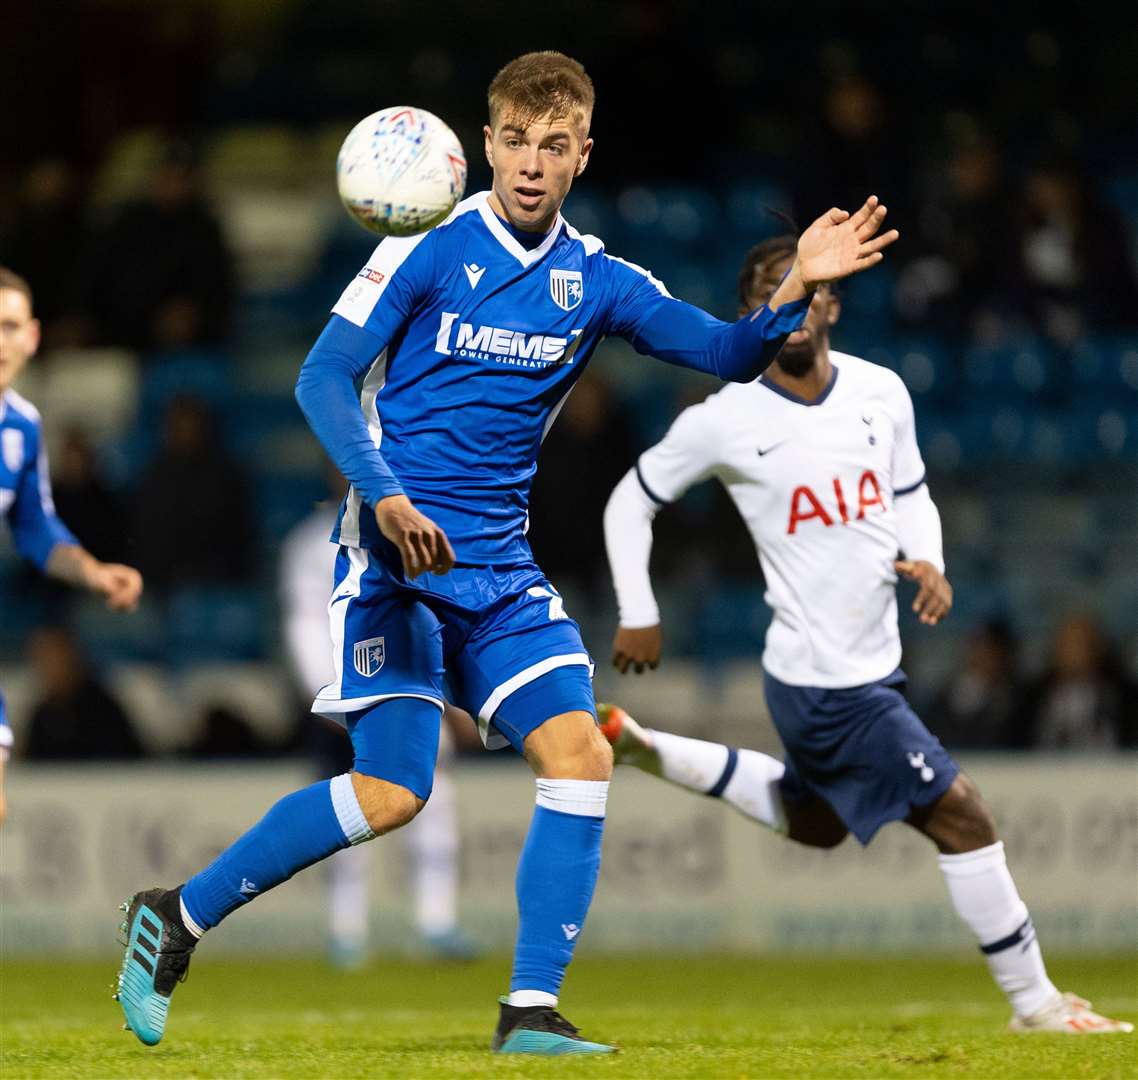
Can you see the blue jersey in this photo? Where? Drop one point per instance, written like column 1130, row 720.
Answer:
column 25, row 487
column 449, row 356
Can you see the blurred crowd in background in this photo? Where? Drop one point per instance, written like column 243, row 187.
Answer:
column 173, row 207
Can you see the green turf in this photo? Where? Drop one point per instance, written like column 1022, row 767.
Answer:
column 729, row 1016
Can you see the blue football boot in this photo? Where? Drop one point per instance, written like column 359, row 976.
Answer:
column 539, row 1029
column 157, row 958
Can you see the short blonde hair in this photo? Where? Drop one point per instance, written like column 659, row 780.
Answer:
column 538, row 83
column 9, row 279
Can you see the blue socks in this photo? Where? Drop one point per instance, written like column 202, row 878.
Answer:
column 557, row 873
column 301, row 829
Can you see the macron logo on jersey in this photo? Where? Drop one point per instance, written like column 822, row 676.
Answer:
column 511, row 347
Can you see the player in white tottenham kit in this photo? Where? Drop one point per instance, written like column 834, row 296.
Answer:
column 432, row 839
column 820, row 456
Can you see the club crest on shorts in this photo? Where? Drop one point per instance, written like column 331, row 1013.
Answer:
column 566, row 288
column 368, row 656
column 13, row 448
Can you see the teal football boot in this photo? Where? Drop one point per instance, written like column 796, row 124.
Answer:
column 539, row 1029
column 157, row 958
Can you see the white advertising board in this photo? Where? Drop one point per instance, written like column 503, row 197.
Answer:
column 680, row 871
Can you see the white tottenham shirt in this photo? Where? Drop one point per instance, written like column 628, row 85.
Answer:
column 831, row 491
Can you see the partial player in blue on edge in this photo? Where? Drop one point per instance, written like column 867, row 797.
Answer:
column 441, row 370
column 25, row 483
column 820, row 457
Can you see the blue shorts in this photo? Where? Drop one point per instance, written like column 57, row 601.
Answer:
column 490, row 632
column 863, row 750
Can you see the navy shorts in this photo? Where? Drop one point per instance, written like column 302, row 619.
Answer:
column 862, row 749
column 489, row 632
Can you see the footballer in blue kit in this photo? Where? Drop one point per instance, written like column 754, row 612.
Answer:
column 444, row 364
column 25, row 484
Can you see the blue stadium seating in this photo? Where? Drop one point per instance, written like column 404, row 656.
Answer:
column 217, row 622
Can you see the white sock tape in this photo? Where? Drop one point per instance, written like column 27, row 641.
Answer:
column 585, row 798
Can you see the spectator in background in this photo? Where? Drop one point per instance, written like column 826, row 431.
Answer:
column 76, row 717
column 224, row 733
column 193, row 516
column 857, row 151
column 1084, row 700
column 1070, row 265
column 49, row 240
column 955, row 272
column 588, row 450
column 977, row 707
column 165, row 273
column 93, row 510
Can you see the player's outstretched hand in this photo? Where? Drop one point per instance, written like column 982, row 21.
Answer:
column 422, row 544
column 637, row 649
column 120, row 586
column 934, row 595
column 839, row 244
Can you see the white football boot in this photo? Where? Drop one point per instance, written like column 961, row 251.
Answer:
column 1071, row 1015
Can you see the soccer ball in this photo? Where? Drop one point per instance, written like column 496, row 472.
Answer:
column 400, row 171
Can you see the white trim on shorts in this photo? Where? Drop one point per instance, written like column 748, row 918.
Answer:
column 495, row 740
column 345, row 591
column 329, row 706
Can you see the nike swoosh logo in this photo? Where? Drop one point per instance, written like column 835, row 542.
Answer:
column 763, row 453
column 474, row 273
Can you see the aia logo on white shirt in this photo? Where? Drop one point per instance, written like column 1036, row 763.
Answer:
column 806, row 505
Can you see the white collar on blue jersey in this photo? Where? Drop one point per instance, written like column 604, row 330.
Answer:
column 502, row 234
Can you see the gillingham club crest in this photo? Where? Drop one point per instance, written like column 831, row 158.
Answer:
column 368, row 656
column 566, row 288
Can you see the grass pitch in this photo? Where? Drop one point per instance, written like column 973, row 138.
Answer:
column 729, row 1016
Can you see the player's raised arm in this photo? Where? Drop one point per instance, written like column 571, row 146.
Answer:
column 370, row 313
column 688, row 454
column 835, row 246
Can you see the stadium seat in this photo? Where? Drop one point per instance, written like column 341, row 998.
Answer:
column 108, row 637
column 871, row 296
column 283, row 499
column 968, row 519
column 928, row 368
column 749, row 212
column 257, row 692
column 589, row 212
column 151, row 699
column 1015, row 370
column 256, row 156
column 217, row 622
column 728, row 621
column 93, row 389
column 205, row 373
column 127, row 165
